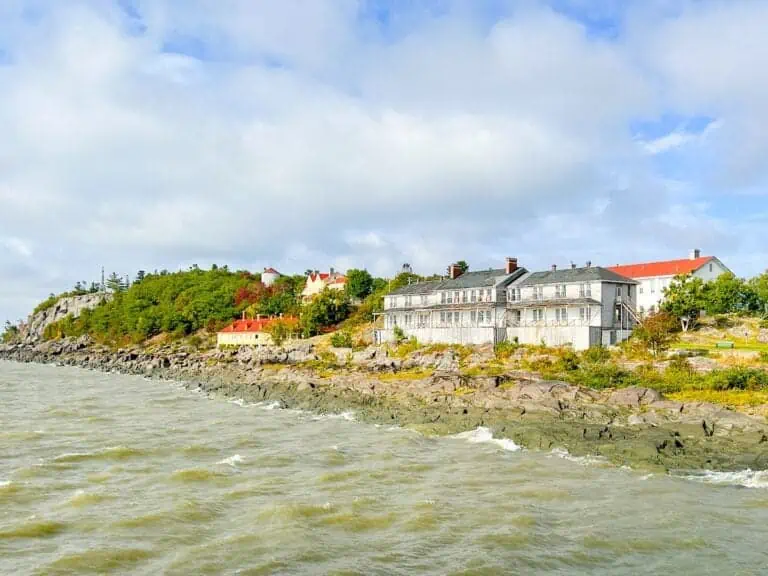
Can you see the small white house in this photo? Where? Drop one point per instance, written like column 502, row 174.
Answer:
column 269, row 276
column 654, row 277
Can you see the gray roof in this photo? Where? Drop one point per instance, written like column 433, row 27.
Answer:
column 476, row 279
column 572, row 275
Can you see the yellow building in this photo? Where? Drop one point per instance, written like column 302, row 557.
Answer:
column 249, row 332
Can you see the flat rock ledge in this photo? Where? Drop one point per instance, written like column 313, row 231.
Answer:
column 635, row 426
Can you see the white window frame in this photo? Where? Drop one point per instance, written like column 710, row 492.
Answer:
column 473, row 296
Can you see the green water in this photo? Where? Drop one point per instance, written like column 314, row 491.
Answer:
column 107, row 474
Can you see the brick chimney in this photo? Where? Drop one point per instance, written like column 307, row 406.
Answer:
column 454, row 271
column 511, row 265
column 694, row 254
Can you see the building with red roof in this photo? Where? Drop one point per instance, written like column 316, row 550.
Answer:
column 269, row 276
column 319, row 281
column 251, row 332
column 654, row 277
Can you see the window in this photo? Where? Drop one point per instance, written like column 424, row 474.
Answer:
column 424, row 300
column 457, row 318
column 488, row 318
column 710, row 267
column 560, row 291
column 538, row 314
column 408, row 301
column 407, row 320
column 393, row 302
column 449, row 298
column 442, row 297
column 489, row 295
column 456, row 297
column 561, row 315
column 442, row 318
column 473, row 296
column 583, row 314
column 464, row 297
column 514, row 294
column 585, row 291
column 480, row 316
column 618, row 291
column 538, row 292
column 473, row 317
column 516, row 316
column 641, row 289
column 653, row 286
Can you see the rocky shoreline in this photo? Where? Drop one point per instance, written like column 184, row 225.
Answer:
column 427, row 392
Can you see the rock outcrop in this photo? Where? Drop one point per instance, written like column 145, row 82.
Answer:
column 633, row 426
column 73, row 305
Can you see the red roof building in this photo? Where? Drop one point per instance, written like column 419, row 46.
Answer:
column 655, row 277
column 250, row 332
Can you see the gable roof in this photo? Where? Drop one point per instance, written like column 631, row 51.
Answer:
column 477, row 279
column 271, row 271
column 251, row 325
column 665, row 268
column 569, row 275
column 322, row 276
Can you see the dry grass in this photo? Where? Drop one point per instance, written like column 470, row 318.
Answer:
column 407, row 375
column 732, row 398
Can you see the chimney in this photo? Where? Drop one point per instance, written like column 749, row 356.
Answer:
column 589, row 263
column 454, row 271
column 332, row 271
column 511, row 265
column 573, row 265
column 694, row 254
column 554, row 267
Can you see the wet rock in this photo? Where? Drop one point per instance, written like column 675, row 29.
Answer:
column 633, row 396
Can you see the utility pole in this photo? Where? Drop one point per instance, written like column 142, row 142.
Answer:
column 103, row 284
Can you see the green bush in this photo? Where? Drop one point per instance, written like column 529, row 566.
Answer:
column 764, row 323
column 567, row 361
column 737, row 379
column 722, row 322
column 764, row 357
column 341, row 339
column 600, row 376
column 399, row 334
column 596, row 355
column 504, row 350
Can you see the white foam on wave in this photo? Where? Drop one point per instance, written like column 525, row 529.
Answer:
column 583, row 460
column 232, row 460
column 745, row 478
column 483, row 435
column 275, row 405
column 348, row 416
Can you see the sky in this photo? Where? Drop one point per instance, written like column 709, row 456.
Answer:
column 157, row 134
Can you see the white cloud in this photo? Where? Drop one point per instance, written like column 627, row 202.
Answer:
column 305, row 139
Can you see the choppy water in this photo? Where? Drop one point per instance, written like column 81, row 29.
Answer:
column 112, row 474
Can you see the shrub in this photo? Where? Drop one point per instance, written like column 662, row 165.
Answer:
column 601, row 376
column 399, row 334
column 764, row 357
column 406, row 347
column 341, row 339
column 656, row 332
column 722, row 322
column 596, row 355
column 680, row 365
column 504, row 350
column 567, row 360
column 764, row 323
column 737, row 379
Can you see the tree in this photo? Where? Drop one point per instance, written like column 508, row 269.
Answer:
column 94, row 288
column 684, row 299
column 140, row 275
column 463, row 266
column 280, row 330
column 114, row 283
column 10, row 333
column 328, row 309
column 359, row 284
column 728, row 294
column 657, row 332
column 759, row 287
